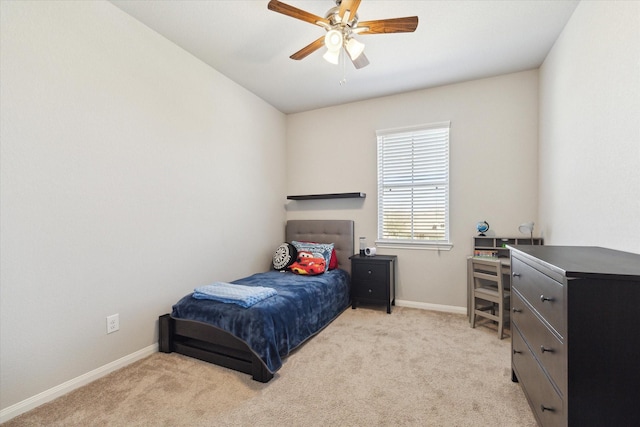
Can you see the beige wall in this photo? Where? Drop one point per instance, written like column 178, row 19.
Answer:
column 590, row 129
column 494, row 132
column 131, row 173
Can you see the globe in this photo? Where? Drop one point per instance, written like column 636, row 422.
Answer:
column 482, row 227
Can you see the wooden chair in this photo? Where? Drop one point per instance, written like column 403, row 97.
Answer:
column 488, row 293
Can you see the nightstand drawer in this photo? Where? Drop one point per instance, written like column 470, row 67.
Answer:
column 545, row 294
column 546, row 347
column 370, row 290
column 371, row 272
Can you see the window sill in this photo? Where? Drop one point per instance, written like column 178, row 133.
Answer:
column 430, row 246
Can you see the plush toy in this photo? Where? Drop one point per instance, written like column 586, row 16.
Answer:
column 308, row 263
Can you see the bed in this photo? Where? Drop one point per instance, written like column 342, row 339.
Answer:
column 255, row 340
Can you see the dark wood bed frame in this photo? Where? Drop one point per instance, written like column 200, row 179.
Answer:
column 211, row 344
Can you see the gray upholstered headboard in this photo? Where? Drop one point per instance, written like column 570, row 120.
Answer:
column 336, row 231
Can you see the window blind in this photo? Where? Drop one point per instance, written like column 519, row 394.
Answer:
column 413, row 184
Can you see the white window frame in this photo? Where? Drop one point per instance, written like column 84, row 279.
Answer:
column 433, row 141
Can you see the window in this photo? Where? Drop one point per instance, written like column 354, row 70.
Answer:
column 413, row 186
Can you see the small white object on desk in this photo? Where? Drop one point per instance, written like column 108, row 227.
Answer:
column 370, row 251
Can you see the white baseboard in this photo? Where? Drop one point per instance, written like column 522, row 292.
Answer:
column 433, row 307
column 66, row 387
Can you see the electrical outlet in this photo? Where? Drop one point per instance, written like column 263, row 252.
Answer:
column 113, row 323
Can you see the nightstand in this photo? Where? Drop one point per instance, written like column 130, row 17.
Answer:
column 373, row 279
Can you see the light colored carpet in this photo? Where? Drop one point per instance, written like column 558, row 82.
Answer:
column 368, row 368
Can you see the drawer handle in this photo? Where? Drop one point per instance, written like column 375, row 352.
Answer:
column 546, row 408
column 516, row 351
column 369, row 272
column 370, row 291
column 543, row 298
column 514, row 274
column 517, row 310
column 545, row 349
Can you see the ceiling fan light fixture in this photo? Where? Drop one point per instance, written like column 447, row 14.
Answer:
column 341, row 22
column 332, row 56
column 354, row 48
column 333, row 40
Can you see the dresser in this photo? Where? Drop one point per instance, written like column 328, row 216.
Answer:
column 373, row 280
column 575, row 314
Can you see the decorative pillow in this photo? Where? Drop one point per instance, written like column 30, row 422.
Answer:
column 322, row 250
column 309, row 263
column 285, row 255
column 333, row 262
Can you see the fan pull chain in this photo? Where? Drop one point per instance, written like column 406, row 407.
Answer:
column 344, row 69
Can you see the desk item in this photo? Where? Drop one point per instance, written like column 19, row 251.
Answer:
column 575, row 329
column 482, row 227
column 527, row 228
column 370, row 251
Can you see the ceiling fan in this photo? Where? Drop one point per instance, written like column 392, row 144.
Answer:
column 341, row 24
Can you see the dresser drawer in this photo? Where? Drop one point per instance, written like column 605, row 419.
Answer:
column 370, row 290
column 547, row 348
column 545, row 401
column 545, row 294
column 369, row 271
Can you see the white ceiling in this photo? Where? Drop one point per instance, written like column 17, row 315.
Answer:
column 455, row 41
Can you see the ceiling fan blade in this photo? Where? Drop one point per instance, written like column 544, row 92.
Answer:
column 351, row 6
column 361, row 61
column 294, row 12
column 393, row 25
column 308, row 49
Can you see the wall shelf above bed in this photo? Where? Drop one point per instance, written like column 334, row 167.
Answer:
column 328, row 196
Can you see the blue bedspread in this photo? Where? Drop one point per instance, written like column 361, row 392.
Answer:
column 277, row 325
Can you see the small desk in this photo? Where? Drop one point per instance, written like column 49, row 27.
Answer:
column 497, row 246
